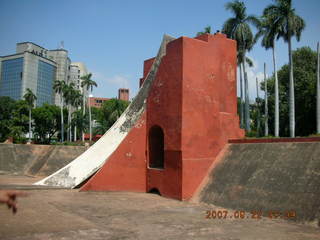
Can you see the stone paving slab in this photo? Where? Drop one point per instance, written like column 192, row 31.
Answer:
column 69, row 214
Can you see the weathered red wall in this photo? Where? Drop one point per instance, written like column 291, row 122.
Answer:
column 164, row 108
column 126, row 168
column 209, row 105
column 146, row 68
column 193, row 99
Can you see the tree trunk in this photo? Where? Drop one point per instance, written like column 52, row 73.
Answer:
column 84, row 112
column 276, row 92
column 246, row 93
column 30, row 125
column 291, row 92
column 258, row 109
column 62, row 126
column 69, row 123
column 75, row 134
column 318, row 89
column 241, row 99
column 266, row 128
column 90, row 130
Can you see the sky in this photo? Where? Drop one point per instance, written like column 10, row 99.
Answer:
column 114, row 37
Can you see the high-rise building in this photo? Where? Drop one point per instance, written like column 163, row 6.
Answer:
column 30, row 68
column 35, row 67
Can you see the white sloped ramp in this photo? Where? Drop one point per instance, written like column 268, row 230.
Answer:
column 92, row 160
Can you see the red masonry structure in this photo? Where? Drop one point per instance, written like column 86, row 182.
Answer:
column 190, row 116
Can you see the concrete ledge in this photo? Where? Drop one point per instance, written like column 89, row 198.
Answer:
column 269, row 177
column 275, row 140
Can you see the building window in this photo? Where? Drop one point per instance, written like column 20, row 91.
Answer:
column 156, row 147
column 46, row 76
column 11, row 78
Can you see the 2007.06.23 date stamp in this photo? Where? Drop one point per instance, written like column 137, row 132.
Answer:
column 225, row 214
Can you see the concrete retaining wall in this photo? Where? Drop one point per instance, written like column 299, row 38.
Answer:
column 268, row 177
column 40, row 160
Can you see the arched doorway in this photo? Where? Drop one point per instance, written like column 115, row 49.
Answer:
column 156, row 147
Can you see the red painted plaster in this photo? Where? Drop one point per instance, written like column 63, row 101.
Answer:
column 125, row 169
column 193, row 99
column 146, row 68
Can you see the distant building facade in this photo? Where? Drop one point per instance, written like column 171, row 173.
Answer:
column 123, row 94
column 97, row 101
column 76, row 71
column 35, row 67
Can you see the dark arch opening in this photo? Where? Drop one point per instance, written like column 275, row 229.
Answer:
column 154, row 191
column 156, row 147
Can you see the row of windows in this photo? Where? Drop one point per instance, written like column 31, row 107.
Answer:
column 73, row 71
column 11, row 78
column 46, row 76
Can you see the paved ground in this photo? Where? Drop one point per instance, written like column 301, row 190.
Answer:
column 68, row 214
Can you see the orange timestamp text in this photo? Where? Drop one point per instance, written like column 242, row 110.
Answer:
column 225, row 214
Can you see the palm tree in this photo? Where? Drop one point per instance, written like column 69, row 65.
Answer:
column 290, row 25
column 238, row 28
column 30, row 98
column 59, row 87
column 88, row 83
column 269, row 31
column 250, row 64
column 258, row 109
column 207, row 29
column 266, row 128
column 76, row 103
column 68, row 94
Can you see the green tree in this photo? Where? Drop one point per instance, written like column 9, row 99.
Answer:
column 59, row 87
column 79, row 122
column 304, row 62
column 13, row 118
column 20, row 117
column 207, row 29
column 30, row 98
column 318, row 89
column 7, row 106
column 290, row 25
column 47, row 122
column 88, row 83
column 238, row 28
column 108, row 114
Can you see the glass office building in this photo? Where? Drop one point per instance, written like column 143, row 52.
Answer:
column 11, row 78
column 46, row 77
column 36, row 68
